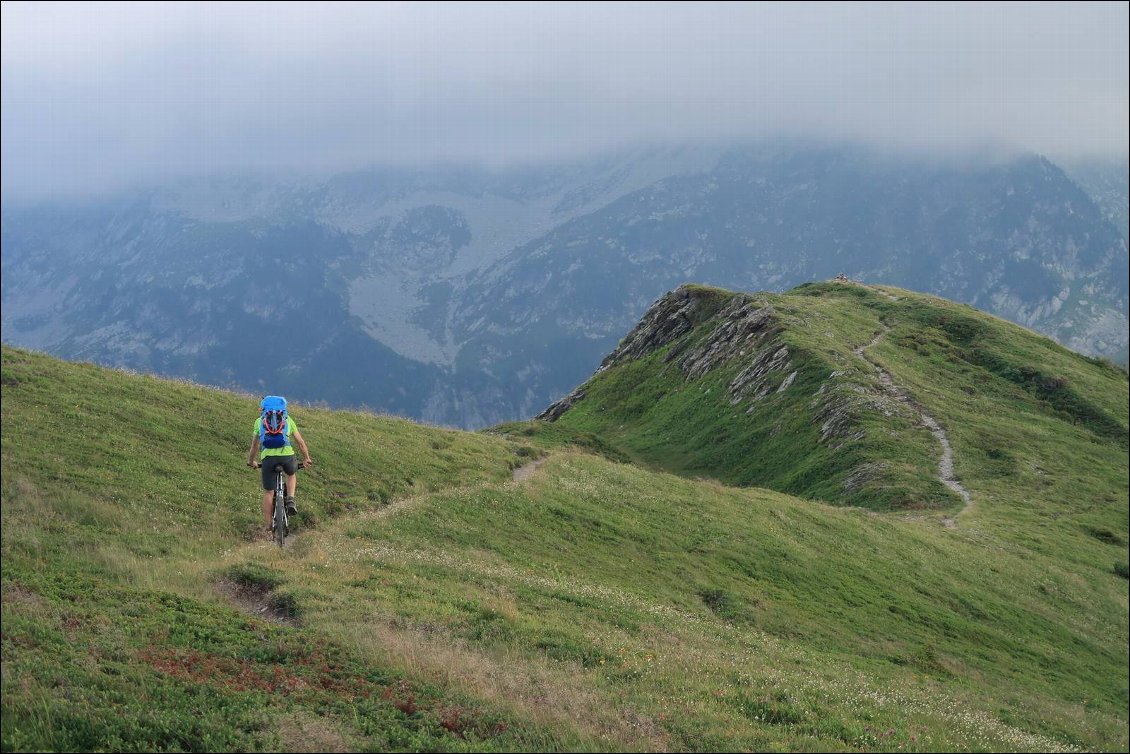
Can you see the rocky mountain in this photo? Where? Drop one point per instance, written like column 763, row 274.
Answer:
column 467, row 296
column 1105, row 181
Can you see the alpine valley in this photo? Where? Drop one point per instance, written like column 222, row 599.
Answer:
column 468, row 296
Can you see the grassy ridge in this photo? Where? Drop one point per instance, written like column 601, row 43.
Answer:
column 432, row 603
column 648, row 410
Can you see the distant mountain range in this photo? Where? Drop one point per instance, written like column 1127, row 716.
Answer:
column 466, row 296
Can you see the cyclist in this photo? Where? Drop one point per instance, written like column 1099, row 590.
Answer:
column 271, row 458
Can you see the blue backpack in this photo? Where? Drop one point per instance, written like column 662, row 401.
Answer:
column 273, row 429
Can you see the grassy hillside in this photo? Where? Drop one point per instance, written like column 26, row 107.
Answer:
column 431, row 602
column 123, row 497
column 819, row 423
column 814, row 424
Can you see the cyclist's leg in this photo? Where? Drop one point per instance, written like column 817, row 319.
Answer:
column 268, row 507
column 291, row 468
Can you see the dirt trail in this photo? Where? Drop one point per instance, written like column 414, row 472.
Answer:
column 945, row 465
column 256, row 601
column 522, row 473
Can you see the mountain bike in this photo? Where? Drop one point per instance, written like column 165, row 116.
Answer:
column 279, row 520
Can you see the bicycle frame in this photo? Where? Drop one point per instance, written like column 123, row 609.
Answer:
column 278, row 516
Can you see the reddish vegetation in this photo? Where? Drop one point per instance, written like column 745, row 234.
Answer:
column 402, row 697
column 451, row 718
column 311, row 672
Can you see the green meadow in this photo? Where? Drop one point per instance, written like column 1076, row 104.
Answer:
column 671, row 576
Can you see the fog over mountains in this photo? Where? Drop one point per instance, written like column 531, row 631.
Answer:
column 466, row 296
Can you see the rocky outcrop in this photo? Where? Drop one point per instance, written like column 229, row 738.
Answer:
column 746, row 329
column 863, row 474
column 844, row 398
column 758, row 379
column 555, row 410
column 669, row 318
column 744, row 325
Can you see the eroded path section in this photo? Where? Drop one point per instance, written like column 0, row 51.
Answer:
column 945, row 465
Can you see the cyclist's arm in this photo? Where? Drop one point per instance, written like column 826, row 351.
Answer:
column 302, row 446
column 254, row 456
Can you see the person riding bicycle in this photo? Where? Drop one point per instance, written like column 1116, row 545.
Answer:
column 272, row 446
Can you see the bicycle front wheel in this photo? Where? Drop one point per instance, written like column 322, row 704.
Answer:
column 280, row 520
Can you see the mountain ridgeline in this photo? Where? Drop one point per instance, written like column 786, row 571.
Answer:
column 837, row 391
column 467, row 297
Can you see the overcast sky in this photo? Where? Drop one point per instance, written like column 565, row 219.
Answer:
column 99, row 95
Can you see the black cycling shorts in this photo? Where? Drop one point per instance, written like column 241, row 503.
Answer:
column 270, row 463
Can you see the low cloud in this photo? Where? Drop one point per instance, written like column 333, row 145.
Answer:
column 97, row 96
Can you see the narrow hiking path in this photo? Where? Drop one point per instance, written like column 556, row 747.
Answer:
column 257, row 600
column 945, row 465
column 522, row 473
